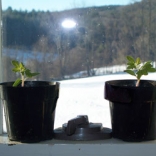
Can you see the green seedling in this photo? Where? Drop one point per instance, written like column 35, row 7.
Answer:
column 136, row 68
column 24, row 72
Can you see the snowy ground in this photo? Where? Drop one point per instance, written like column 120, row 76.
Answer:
column 86, row 97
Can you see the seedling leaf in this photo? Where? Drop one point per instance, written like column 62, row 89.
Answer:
column 17, row 82
column 151, row 70
column 15, row 63
column 15, row 70
column 29, row 74
column 130, row 59
column 137, row 68
column 138, row 61
column 24, row 72
column 130, row 72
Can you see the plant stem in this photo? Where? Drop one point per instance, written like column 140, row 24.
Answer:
column 137, row 84
column 22, row 80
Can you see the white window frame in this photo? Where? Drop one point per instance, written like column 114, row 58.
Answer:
column 1, row 108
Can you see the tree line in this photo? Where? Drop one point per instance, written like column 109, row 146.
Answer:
column 102, row 37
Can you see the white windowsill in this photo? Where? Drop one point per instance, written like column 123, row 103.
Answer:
column 110, row 147
column 4, row 140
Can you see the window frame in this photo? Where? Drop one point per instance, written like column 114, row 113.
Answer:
column 1, row 108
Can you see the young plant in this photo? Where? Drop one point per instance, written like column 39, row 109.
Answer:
column 137, row 68
column 24, row 72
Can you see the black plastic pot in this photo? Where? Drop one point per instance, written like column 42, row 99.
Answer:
column 30, row 110
column 133, row 109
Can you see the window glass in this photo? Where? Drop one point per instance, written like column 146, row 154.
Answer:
column 77, row 43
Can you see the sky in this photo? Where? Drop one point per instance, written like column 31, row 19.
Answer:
column 57, row 5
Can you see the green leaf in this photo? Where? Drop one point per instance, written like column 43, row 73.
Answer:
column 130, row 59
column 138, row 61
column 131, row 67
column 147, row 65
column 15, row 63
column 29, row 74
column 144, row 72
column 139, row 74
column 151, row 70
column 130, row 63
column 24, row 72
column 35, row 74
column 17, row 82
column 136, row 68
column 22, row 67
column 15, row 70
column 19, row 67
column 148, row 62
column 130, row 72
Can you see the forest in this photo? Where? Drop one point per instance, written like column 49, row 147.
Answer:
column 103, row 36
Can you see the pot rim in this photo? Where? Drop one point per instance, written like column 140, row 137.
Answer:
column 31, row 84
column 119, row 91
column 115, row 83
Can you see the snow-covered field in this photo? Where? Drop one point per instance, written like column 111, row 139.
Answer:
column 86, row 97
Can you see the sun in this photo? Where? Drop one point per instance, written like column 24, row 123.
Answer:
column 68, row 23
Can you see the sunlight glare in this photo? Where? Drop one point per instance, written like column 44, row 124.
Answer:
column 68, row 23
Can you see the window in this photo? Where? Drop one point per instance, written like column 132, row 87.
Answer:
column 77, row 43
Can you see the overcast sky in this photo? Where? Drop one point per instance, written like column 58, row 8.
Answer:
column 56, row 5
